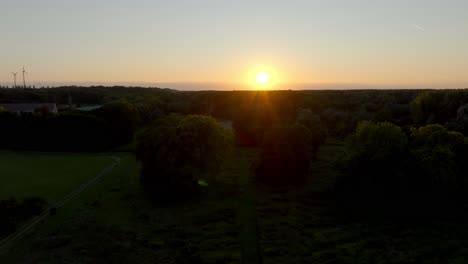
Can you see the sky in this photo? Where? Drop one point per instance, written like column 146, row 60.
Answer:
column 222, row 44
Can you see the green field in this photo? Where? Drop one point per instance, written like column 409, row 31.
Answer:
column 49, row 176
column 231, row 222
column 113, row 222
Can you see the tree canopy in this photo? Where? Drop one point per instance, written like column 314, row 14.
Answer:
column 176, row 152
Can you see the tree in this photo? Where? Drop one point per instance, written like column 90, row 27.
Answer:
column 122, row 118
column 313, row 122
column 285, row 155
column 383, row 168
column 176, row 152
column 460, row 123
column 374, row 166
column 441, row 156
column 437, row 107
column 149, row 108
column 251, row 122
column 73, row 132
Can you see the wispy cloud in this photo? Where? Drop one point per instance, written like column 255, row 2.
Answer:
column 418, row 27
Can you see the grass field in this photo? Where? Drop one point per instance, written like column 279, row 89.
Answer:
column 113, row 222
column 49, row 176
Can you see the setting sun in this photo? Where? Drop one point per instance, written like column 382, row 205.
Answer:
column 262, row 78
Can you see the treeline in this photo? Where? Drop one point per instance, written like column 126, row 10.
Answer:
column 110, row 126
column 448, row 108
column 82, row 95
column 252, row 112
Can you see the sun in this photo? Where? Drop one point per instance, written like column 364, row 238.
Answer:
column 262, row 78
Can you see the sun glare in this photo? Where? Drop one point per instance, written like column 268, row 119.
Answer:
column 262, row 78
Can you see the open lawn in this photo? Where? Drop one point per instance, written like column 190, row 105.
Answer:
column 47, row 175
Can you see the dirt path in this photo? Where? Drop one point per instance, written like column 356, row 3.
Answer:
column 6, row 242
column 251, row 253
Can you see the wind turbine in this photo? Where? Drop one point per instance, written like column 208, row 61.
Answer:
column 24, row 79
column 14, row 76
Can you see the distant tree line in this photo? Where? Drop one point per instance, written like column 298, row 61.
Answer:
column 110, row 126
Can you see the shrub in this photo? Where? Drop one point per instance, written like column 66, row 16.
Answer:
column 13, row 212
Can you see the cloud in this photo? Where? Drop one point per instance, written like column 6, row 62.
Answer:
column 418, row 27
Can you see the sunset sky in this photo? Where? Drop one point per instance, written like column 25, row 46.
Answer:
column 301, row 44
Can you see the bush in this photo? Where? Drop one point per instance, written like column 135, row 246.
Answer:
column 13, row 213
column 285, row 155
column 176, row 152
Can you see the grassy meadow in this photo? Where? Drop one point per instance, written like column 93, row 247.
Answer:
column 233, row 220
column 50, row 176
column 114, row 220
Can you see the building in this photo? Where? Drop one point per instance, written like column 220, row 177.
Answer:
column 88, row 108
column 29, row 107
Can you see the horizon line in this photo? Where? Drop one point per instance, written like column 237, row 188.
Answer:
column 228, row 86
